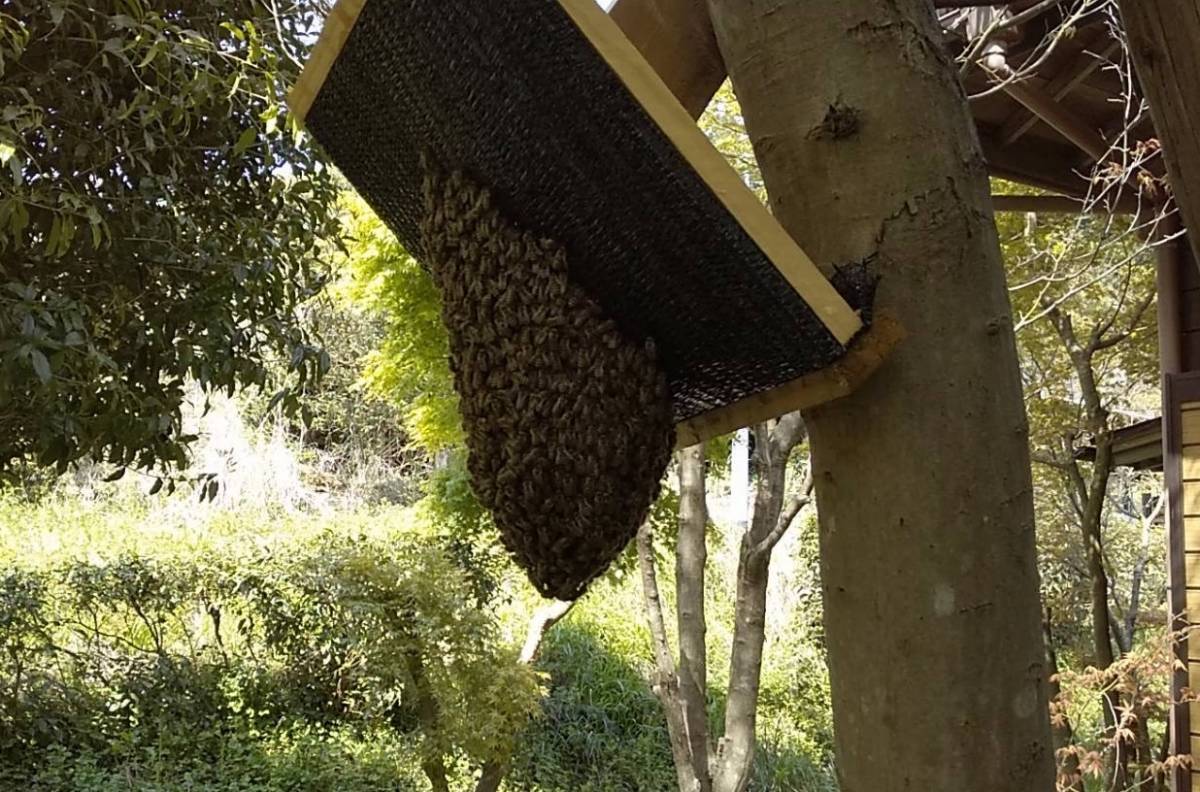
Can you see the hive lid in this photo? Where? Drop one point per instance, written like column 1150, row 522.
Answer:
column 547, row 103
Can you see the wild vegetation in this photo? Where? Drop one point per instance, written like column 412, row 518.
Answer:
column 238, row 546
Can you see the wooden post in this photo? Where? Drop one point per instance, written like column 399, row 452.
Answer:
column 676, row 37
column 1163, row 36
column 1169, row 263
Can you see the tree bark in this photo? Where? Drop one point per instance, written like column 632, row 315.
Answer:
column 773, row 448
column 1162, row 40
column 923, row 486
column 666, row 684
column 690, row 557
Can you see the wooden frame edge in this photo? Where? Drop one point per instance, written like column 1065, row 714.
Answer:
column 329, row 45
column 680, row 128
column 866, row 354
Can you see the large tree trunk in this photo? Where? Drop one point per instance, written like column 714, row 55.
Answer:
column 1163, row 36
column 931, row 591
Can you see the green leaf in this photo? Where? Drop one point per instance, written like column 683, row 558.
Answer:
column 245, row 141
column 41, row 366
column 6, row 152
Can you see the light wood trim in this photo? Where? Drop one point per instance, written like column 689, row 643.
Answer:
column 1195, row 742
column 676, row 38
column 662, row 106
column 840, row 379
column 337, row 29
column 1194, row 676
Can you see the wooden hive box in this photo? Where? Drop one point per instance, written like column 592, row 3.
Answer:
column 549, row 105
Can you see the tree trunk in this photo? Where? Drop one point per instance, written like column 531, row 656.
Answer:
column 690, row 558
column 867, row 148
column 666, row 682
column 774, row 444
column 1163, row 36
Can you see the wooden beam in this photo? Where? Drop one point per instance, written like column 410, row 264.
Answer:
column 1058, row 204
column 676, row 38
column 1016, row 5
column 1059, row 117
column 1037, row 163
column 1169, row 260
column 866, row 354
column 1021, row 121
column 337, row 29
column 1163, row 36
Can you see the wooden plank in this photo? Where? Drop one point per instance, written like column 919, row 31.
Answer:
column 677, row 40
column 1162, row 40
column 1190, row 459
column 1192, row 612
column 1191, row 565
column 1191, row 499
column 666, row 111
column 337, row 29
column 1191, row 533
column 1190, row 423
column 866, row 355
column 1194, row 676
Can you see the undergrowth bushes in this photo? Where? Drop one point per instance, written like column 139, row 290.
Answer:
column 215, row 658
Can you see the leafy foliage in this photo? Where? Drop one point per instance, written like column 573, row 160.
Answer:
column 411, row 365
column 105, row 656
column 158, row 220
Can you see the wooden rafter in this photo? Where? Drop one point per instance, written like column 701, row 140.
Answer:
column 1022, row 120
column 1058, row 116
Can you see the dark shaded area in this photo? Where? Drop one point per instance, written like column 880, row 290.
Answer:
column 513, row 95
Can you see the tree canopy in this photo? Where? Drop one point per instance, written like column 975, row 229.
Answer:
column 160, row 222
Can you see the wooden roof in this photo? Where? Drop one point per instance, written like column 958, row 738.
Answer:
column 1078, row 92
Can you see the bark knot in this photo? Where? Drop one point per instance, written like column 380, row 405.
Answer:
column 841, row 121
